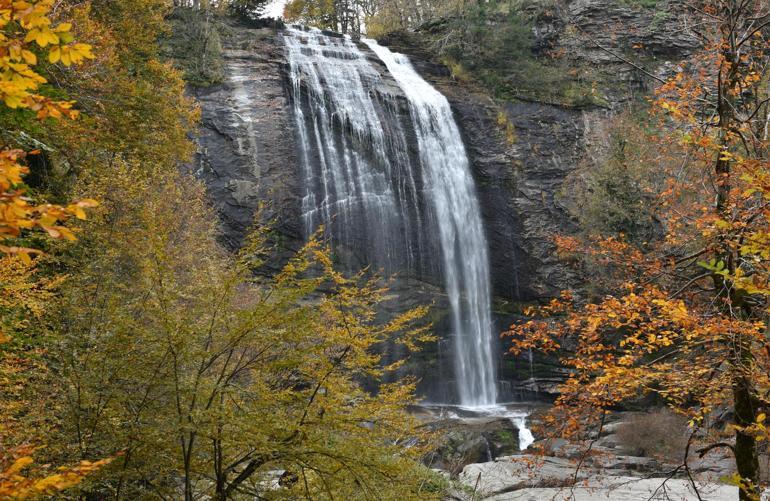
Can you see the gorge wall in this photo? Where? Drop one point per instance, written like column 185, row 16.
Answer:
column 521, row 152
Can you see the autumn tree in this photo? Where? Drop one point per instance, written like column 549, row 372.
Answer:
column 244, row 8
column 28, row 30
column 131, row 107
column 174, row 353
column 345, row 16
column 325, row 14
column 686, row 317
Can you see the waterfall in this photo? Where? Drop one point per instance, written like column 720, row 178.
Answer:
column 526, row 438
column 350, row 155
column 463, row 243
column 360, row 178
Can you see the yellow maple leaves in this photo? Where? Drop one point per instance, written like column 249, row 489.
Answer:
column 27, row 27
column 70, row 54
column 18, row 213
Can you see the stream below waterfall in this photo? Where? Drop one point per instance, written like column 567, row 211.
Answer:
column 517, row 413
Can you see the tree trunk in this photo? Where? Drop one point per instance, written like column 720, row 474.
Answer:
column 745, row 403
column 745, row 408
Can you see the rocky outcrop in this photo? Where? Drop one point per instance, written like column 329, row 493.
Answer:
column 603, row 466
column 591, row 30
column 528, row 478
column 468, row 441
column 246, row 149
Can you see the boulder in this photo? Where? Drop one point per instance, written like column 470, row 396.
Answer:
column 625, row 489
column 518, row 472
column 532, row 478
column 472, row 440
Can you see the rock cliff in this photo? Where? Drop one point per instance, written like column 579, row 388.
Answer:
column 247, row 154
column 521, row 151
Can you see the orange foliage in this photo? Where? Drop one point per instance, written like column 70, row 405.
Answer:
column 684, row 317
column 24, row 24
column 15, row 484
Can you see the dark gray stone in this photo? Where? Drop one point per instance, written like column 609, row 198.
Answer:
column 246, row 149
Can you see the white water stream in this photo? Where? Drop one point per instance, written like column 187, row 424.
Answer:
column 445, row 166
column 369, row 193
column 516, row 415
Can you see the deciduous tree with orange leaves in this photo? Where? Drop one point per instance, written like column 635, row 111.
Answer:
column 27, row 31
column 687, row 319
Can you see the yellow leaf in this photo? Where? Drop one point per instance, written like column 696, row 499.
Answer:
column 29, row 57
column 42, row 36
column 24, row 256
column 13, row 100
column 54, row 55
column 19, row 465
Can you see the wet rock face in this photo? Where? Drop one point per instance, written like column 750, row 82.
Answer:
column 599, row 34
column 246, row 150
column 469, row 441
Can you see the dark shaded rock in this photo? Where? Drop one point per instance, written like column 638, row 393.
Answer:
column 246, row 151
column 473, row 440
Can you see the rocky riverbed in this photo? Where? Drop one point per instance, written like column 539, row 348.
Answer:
column 484, row 455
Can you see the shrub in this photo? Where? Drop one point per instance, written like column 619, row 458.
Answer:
column 615, row 187
column 195, row 46
column 660, row 434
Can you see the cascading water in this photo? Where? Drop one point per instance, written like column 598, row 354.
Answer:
column 359, row 176
column 351, row 156
column 446, row 169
